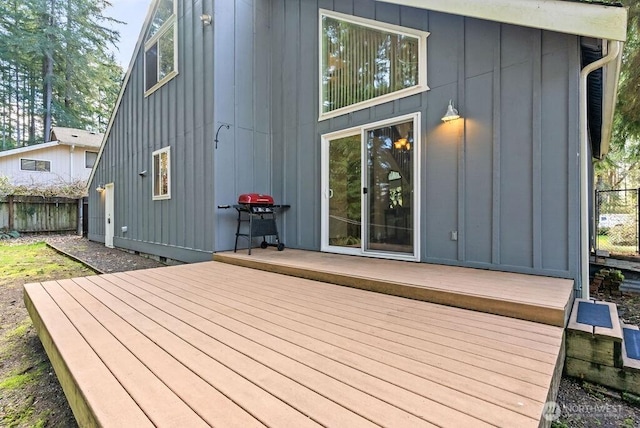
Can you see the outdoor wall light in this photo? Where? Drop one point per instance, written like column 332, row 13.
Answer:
column 143, row 173
column 451, row 114
column 206, row 19
column 100, row 188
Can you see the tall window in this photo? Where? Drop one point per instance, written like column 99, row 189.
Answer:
column 162, row 173
column 90, row 159
column 35, row 165
column 365, row 62
column 160, row 53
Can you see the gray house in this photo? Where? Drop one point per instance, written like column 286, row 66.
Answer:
column 341, row 108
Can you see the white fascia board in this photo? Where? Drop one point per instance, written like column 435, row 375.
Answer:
column 583, row 19
column 28, row 149
column 609, row 100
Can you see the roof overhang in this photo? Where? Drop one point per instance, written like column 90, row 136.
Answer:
column 584, row 19
column 28, row 149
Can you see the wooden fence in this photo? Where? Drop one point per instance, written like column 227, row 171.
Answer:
column 39, row 214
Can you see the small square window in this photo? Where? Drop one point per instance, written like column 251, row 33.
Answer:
column 90, row 159
column 162, row 173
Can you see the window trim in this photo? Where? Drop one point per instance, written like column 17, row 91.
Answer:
column 171, row 22
column 153, row 174
column 85, row 159
column 377, row 25
column 36, row 163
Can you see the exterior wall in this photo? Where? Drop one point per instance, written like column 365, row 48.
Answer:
column 180, row 114
column 66, row 165
column 505, row 178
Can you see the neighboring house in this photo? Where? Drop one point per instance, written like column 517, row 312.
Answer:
column 336, row 107
column 68, row 156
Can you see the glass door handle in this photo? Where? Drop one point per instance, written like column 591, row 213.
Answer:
column 365, row 190
column 330, row 193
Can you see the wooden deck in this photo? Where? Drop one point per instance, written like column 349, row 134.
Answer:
column 222, row 345
column 529, row 297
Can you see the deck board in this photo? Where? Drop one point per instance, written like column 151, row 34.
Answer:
column 533, row 298
column 221, row 345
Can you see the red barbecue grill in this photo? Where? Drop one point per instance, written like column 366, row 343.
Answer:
column 260, row 212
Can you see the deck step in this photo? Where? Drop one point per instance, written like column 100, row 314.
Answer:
column 594, row 333
column 631, row 348
column 527, row 297
column 602, row 349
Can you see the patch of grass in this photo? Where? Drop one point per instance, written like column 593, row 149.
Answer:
column 17, row 417
column 604, row 243
column 23, row 377
column 20, row 330
column 36, row 262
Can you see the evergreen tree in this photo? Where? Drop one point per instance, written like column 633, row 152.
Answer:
column 55, row 68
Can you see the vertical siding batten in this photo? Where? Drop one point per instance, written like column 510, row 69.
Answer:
column 462, row 143
column 497, row 126
column 536, row 126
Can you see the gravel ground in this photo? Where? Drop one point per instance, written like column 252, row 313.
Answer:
column 583, row 405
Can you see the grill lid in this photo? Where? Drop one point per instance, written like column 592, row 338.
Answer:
column 255, row 199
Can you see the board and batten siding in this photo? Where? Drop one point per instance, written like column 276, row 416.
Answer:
column 223, row 78
column 505, row 179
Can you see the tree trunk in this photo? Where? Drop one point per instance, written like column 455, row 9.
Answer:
column 48, row 71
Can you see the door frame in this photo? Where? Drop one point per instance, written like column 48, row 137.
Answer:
column 109, row 215
column 325, row 191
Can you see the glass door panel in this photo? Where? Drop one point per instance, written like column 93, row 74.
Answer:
column 345, row 189
column 390, row 188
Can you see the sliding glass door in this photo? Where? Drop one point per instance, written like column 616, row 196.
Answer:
column 370, row 194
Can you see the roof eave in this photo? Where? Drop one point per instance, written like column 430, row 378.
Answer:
column 609, row 100
column 584, row 19
column 28, row 149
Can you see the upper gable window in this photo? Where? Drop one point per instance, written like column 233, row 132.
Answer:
column 160, row 48
column 365, row 62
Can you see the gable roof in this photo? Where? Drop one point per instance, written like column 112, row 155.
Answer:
column 60, row 136
column 75, row 137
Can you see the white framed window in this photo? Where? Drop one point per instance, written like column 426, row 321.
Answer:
column 365, row 62
column 90, row 159
column 161, row 47
column 35, row 165
column 162, row 173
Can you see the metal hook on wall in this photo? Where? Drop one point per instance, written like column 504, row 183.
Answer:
column 224, row 125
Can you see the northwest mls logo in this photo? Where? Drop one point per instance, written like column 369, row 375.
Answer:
column 551, row 411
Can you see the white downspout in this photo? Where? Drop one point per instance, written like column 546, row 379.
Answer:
column 614, row 48
column 72, row 149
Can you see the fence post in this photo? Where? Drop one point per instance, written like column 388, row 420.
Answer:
column 10, row 202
